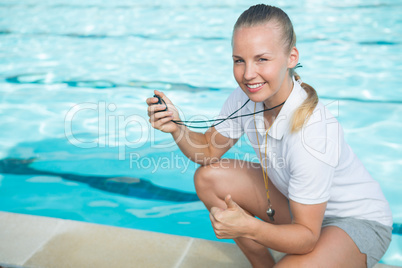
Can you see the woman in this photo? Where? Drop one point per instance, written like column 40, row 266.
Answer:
column 316, row 201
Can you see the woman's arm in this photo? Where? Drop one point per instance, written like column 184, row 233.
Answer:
column 299, row 237
column 202, row 148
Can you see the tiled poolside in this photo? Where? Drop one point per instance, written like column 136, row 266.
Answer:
column 43, row 242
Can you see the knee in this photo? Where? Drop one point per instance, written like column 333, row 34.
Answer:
column 207, row 179
column 204, row 177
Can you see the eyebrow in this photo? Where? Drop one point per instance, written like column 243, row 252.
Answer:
column 256, row 56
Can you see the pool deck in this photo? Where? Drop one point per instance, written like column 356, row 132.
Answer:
column 34, row 241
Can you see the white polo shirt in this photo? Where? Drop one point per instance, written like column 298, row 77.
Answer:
column 313, row 165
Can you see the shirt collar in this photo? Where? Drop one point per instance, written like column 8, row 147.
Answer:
column 283, row 120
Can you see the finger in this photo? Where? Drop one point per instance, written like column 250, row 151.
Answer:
column 158, row 123
column 156, row 108
column 216, row 213
column 163, row 96
column 151, row 101
column 159, row 114
column 215, row 224
column 229, row 202
column 159, row 93
column 156, row 115
column 212, row 218
column 165, row 120
column 163, row 114
column 215, row 210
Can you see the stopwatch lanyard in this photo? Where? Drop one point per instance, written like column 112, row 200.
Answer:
column 270, row 210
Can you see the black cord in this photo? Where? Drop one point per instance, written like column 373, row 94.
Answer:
column 182, row 123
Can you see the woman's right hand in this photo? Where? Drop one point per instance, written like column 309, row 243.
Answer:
column 159, row 119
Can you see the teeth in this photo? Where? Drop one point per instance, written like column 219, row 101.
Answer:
column 255, row 85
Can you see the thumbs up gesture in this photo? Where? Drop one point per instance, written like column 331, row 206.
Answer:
column 231, row 222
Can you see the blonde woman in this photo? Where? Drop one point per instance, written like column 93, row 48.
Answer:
column 314, row 199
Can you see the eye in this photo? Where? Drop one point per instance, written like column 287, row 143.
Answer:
column 262, row 59
column 238, row 61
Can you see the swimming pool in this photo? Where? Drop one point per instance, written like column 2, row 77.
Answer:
column 74, row 75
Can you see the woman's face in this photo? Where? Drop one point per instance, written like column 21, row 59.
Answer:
column 261, row 63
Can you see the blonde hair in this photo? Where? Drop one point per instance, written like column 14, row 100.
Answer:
column 262, row 14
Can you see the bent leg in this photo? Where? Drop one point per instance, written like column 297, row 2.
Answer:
column 244, row 182
column 334, row 249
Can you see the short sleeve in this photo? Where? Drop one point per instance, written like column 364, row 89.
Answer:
column 312, row 159
column 231, row 128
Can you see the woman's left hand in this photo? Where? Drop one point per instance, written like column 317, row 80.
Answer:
column 231, row 222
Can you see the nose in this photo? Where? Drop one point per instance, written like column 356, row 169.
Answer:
column 250, row 72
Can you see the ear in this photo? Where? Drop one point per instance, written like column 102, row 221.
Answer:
column 293, row 58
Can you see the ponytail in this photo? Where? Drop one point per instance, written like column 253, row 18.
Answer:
column 305, row 110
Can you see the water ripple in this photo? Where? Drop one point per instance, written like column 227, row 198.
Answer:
column 397, row 228
column 42, row 79
column 183, row 5
column 161, row 36
column 121, row 36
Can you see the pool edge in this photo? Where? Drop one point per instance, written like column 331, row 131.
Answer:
column 38, row 241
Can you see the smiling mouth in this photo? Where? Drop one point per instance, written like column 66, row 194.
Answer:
column 254, row 86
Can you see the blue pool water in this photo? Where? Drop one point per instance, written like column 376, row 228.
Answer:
column 75, row 142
